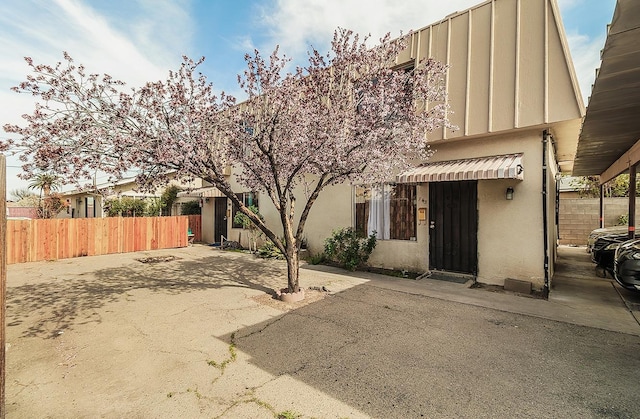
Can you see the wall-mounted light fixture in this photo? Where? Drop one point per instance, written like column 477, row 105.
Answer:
column 509, row 193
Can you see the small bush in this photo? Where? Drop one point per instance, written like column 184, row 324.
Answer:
column 245, row 222
column 126, row 206
column 269, row 251
column 190, row 208
column 623, row 219
column 317, row 259
column 288, row 414
column 348, row 248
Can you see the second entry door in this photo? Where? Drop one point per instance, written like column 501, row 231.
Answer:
column 220, row 218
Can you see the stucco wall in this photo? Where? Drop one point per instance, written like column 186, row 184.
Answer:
column 332, row 210
column 510, row 233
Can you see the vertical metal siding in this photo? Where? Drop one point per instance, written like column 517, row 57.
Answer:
column 509, row 66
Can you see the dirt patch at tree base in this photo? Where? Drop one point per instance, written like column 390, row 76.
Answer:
column 311, row 295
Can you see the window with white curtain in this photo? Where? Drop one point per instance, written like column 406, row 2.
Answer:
column 387, row 209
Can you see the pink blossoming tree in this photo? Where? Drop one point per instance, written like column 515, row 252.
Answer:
column 346, row 116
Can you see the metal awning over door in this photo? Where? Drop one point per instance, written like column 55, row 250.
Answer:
column 508, row 166
column 206, row 192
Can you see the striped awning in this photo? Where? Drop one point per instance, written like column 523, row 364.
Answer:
column 206, row 192
column 507, row 166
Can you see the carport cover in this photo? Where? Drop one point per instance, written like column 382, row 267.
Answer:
column 508, row 166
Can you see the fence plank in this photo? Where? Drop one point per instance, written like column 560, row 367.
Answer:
column 195, row 224
column 3, row 280
column 36, row 240
column 91, row 237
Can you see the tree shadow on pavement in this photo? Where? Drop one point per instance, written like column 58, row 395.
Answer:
column 45, row 309
column 393, row 354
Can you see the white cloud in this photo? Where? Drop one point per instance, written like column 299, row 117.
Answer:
column 135, row 47
column 297, row 24
column 244, row 44
column 585, row 53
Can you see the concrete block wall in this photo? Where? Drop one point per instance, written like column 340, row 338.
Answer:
column 578, row 216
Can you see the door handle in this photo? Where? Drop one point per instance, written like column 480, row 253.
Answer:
column 432, row 224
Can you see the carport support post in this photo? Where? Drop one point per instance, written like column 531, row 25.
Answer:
column 601, row 206
column 3, row 276
column 632, row 201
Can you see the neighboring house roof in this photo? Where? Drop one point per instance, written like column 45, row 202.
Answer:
column 123, row 187
column 567, row 184
column 611, row 126
column 134, row 194
column 92, row 190
column 509, row 68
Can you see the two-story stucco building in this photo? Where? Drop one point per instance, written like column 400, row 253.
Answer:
column 485, row 204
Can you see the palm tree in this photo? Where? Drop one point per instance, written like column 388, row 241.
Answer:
column 46, row 182
column 50, row 205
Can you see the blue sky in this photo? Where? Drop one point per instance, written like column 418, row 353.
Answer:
column 140, row 40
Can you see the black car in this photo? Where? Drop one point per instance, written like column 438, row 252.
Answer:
column 599, row 232
column 627, row 265
column 604, row 249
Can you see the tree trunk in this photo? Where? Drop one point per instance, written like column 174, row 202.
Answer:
column 293, row 268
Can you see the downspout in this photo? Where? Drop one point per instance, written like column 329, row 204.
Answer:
column 545, row 220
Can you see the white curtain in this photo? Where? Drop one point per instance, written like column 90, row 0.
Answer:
column 380, row 211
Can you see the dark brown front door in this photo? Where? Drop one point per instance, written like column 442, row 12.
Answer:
column 220, row 218
column 453, row 226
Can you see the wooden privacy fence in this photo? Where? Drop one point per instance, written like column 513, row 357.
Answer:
column 36, row 240
column 195, row 225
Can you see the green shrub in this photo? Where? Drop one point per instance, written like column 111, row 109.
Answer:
column 270, row 251
column 245, row 222
column 153, row 208
column 317, row 259
column 126, row 206
column 168, row 198
column 190, row 208
column 623, row 220
column 348, row 248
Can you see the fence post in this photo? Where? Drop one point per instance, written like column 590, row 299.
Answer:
column 3, row 278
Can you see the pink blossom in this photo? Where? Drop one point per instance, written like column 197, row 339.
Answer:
column 344, row 117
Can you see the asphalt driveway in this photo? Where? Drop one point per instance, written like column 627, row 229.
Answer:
column 199, row 336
